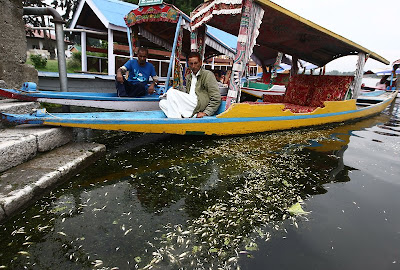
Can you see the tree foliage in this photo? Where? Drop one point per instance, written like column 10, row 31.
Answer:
column 67, row 7
column 38, row 61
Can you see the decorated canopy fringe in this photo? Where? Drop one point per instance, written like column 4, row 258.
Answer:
column 157, row 13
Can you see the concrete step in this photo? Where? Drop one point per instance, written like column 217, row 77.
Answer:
column 21, row 143
column 16, row 106
column 24, row 184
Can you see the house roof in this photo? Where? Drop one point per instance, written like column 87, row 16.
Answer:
column 110, row 12
column 222, row 36
column 39, row 34
column 114, row 10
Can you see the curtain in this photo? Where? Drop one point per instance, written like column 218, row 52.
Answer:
column 178, row 77
column 251, row 19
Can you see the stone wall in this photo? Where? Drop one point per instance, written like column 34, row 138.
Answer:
column 13, row 70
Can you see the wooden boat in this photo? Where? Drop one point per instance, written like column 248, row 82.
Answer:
column 372, row 97
column 238, row 119
column 87, row 99
column 309, row 100
column 256, row 90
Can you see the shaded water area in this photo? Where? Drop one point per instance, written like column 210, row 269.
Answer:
column 321, row 198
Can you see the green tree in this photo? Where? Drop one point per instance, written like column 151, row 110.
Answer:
column 67, row 7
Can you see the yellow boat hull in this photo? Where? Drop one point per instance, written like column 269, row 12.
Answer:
column 243, row 119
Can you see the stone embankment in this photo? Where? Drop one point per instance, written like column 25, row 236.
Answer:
column 34, row 159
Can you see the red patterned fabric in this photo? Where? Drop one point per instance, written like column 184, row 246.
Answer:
column 298, row 108
column 210, row 8
column 178, row 78
column 300, row 89
column 330, row 88
column 273, row 98
column 305, row 93
column 157, row 13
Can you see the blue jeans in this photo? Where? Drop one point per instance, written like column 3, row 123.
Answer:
column 128, row 89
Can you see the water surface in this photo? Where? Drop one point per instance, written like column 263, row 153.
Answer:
column 322, row 198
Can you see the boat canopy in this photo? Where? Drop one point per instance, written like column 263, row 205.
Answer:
column 280, row 31
column 157, row 24
column 166, row 26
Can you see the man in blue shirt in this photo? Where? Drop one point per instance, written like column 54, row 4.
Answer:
column 139, row 72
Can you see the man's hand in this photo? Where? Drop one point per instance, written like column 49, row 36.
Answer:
column 120, row 78
column 151, row 90
column 201, row 114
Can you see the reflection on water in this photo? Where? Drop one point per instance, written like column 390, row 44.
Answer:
column 182, row 202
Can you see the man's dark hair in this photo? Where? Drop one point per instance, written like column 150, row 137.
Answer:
column 143, row 49
column 194, row 54
column 217, row 71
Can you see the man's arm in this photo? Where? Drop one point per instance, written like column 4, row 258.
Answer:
column 120, row 72
column 151, row 89
column 214, row 95
column 154, row 76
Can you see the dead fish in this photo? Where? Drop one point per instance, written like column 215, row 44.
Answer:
column 25, row 253
column 43, row 228
column 98, row 263
column 184, row 254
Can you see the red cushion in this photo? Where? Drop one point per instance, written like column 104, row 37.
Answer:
column 282, row 79
column 330, row 88
column 266, row 77
column 300, row 89
column 294, row 108
column 299, row 95
column 273, row 98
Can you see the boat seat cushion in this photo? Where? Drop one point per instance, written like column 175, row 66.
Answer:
column 300, row 89
column 311, row 91
column 273, row 98
column 294, row 108
column 330, row 88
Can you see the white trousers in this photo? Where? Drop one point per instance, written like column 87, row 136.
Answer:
column 178, row 104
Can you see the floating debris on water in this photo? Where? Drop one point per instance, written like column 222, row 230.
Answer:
column 194, row 205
